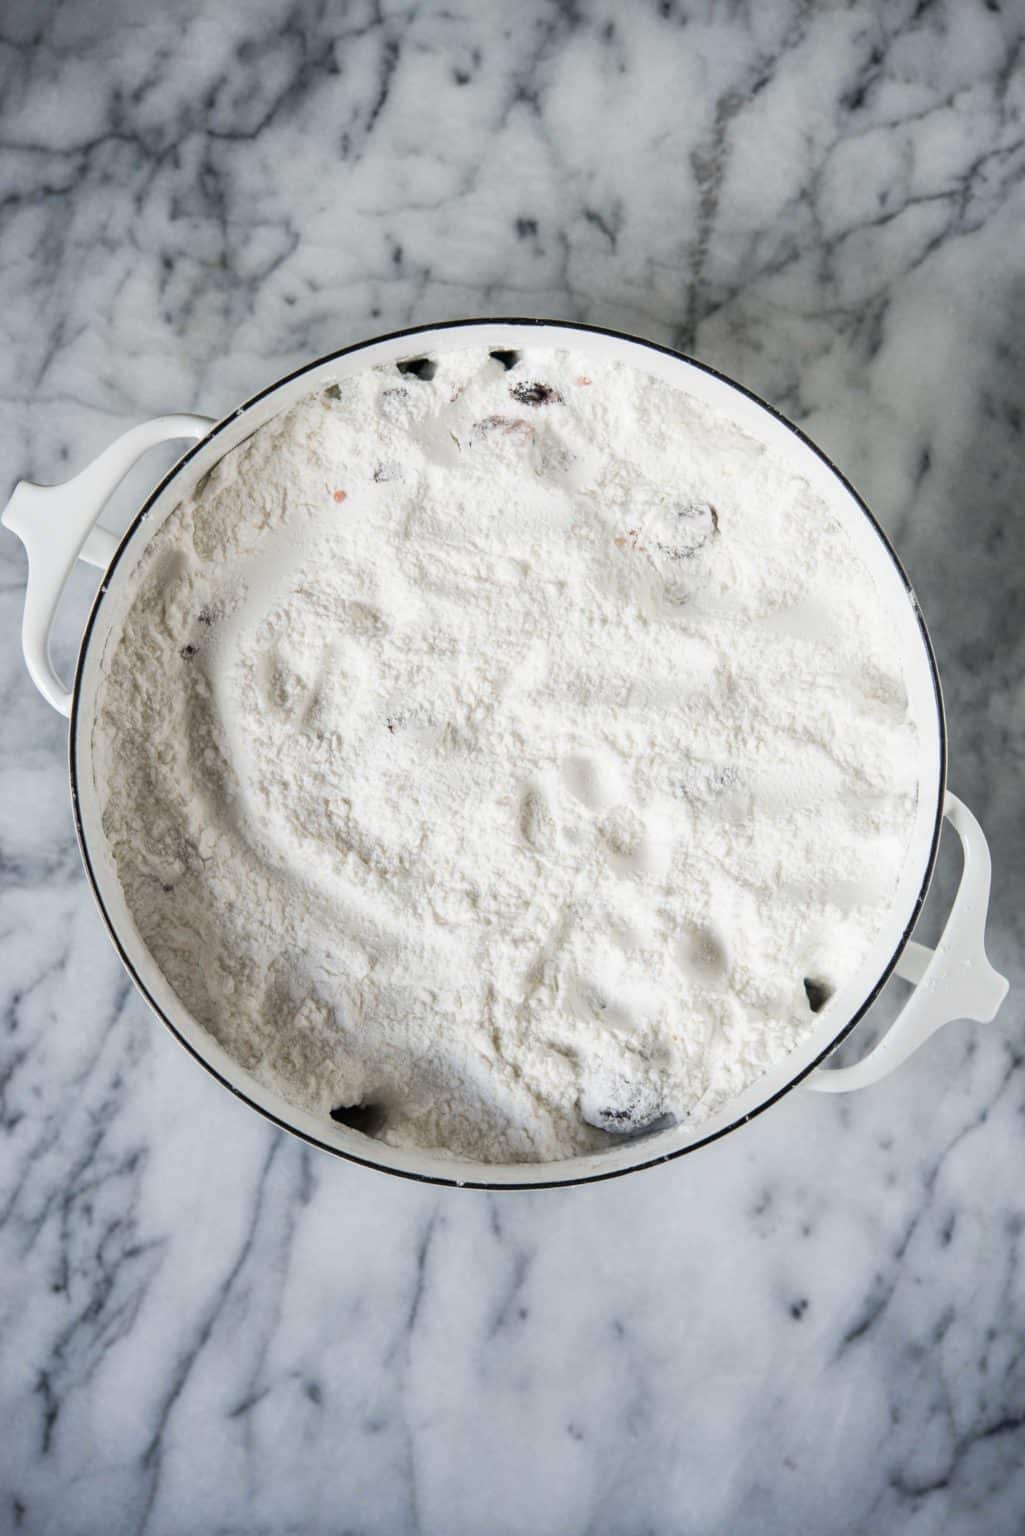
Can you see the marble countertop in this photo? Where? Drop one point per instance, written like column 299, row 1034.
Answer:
column 816, row 1325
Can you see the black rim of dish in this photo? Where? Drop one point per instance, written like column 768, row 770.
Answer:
column 453, row 1181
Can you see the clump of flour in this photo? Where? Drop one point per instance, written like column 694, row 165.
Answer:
column 506, row 760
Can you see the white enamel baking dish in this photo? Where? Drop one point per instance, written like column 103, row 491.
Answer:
column 58, row 524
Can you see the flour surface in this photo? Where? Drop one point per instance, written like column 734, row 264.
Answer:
column 513, row 756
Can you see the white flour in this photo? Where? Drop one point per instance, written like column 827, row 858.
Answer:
column 506, row 765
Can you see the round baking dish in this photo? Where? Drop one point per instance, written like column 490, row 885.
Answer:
column 58, row 524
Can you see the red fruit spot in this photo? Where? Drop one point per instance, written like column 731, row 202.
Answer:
column 340, row 495
column 509, row 426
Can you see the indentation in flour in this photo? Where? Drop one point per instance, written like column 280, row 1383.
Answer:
column 634, row 849
column 284, row 688
column 701, row 954
column 593, row 779
column 536, row 823
column 360, row 619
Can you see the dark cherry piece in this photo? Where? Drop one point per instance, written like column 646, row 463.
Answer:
column 817, row 993
column 698, row 524
column 419, row 367
column 629, row 1120
column 535, row 394
column 367, row 1118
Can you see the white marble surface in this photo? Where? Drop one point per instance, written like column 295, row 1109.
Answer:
column 814, row 1326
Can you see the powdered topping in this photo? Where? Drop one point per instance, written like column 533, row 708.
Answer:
column 506, row 765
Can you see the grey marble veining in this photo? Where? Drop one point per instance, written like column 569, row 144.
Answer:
column 816, row 1325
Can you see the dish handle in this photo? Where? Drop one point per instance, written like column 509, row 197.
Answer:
column 953, row 981
column 56, row 524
